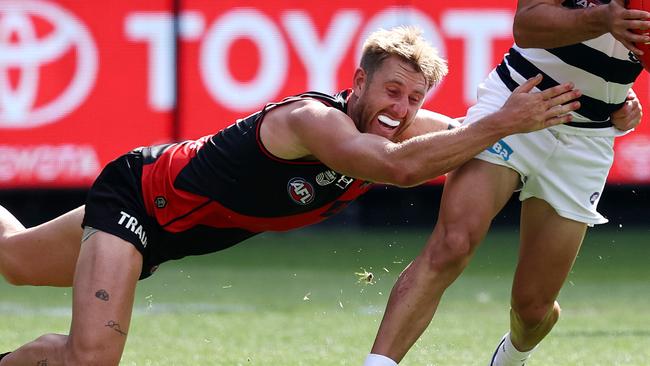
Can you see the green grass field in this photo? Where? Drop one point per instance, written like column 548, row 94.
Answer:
column 294, row 299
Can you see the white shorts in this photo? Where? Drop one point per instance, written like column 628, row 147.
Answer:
column 566, row 170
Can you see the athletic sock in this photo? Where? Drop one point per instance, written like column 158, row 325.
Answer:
column 378, row 360
column 507, row 355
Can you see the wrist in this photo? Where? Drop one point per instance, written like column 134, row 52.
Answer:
column 494, row 127
column 599, row 18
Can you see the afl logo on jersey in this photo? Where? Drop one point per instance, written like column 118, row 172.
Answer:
column 300, row 191
column 584, row 3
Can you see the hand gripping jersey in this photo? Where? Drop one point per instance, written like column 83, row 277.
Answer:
column 602, row 68
column 229, row 180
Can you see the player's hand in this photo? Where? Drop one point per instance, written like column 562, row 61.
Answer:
column 629, row 115
column 527, row 110
column 620, row 22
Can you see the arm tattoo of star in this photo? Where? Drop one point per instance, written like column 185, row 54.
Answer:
column 102, row 295
column 115, row 326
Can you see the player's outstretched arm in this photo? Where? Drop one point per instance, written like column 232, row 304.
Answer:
column 547, row 24
column 332, row 138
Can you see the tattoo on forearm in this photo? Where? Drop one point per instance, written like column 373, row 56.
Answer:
column 102, row 295
column 115, row 326
column 42, row 362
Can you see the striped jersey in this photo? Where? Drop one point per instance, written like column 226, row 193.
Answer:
column 602, row 68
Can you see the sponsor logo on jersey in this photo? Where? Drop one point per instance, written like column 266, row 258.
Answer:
column 344, row 182
column 132, row 224
column 594, row 197
column 160, row 202
column 326, row 177
column 300, row 191
column 502, row 149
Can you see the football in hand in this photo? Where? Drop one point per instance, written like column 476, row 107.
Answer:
column 645, row 47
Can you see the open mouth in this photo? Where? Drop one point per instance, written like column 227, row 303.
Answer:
column 387, row 121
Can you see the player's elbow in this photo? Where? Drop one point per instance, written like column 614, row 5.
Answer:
column 521, row 24
column 520, row 36
column 403, row 175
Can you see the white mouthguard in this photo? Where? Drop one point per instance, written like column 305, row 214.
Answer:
column 386, row 120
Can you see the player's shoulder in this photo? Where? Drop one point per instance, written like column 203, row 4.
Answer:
column 308, row 110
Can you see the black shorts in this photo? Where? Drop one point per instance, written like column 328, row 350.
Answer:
column 115, row 206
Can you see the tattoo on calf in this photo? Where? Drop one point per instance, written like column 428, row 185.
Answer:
column 102, row 295
column 115, row 326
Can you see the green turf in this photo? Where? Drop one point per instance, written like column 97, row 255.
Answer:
column 294, row 299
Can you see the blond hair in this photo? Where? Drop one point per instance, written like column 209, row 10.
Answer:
column 407, row 43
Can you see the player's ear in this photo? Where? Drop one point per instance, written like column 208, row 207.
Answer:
column 359, row 80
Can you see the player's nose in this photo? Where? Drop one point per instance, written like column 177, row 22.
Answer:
column 399, row 109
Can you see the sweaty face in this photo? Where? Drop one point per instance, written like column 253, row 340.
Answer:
column 389, row 100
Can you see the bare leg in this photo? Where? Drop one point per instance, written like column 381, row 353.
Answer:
column 466, row 212
column 104, row 289
column 549, row 246
column 21, row 250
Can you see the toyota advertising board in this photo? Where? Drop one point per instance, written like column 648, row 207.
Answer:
column 83, row 82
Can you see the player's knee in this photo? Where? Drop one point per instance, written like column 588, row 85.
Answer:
column 92, row 351
column 10, row 277
column 11, row 273
column 90, row 358
column 450, row 250
column 50, row 345
column 531, row 314
column 457, row 246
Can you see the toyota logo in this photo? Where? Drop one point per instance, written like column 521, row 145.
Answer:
column 35, row 34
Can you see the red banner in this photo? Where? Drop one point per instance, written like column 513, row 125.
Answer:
column 81, row 83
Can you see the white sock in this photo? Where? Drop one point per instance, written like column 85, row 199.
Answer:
column 507, row 355
column 378, row 360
